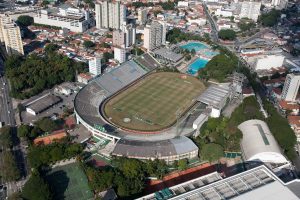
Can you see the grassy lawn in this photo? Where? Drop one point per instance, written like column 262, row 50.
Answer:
column 152, row 103
column 69, row 182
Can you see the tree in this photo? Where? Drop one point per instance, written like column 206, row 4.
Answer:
column 88, row 44
column 51, row 48
column 25, row 20
column 227, row 34
column 24, row 130
column 36, row 189
column 6, row 140
column 270, row 19
column 47, row 125
column 211, row 152
column 8, row 168
column 182, row 164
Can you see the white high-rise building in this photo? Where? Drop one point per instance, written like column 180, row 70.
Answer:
column 124, row 37
column 142, row 15
column 10, row 34
column 120, row 54
column 279, row 4
column 250, row 10
column 154, row 35
column 110, row 14
column 291, row 87
column 95, row 66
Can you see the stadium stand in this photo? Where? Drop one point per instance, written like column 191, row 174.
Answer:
column 147, row 62
column 121, row 76
column 169, row 150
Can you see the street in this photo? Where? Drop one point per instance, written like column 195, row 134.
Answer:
column 8, row 118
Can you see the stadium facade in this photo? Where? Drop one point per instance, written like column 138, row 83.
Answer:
column 169, row 145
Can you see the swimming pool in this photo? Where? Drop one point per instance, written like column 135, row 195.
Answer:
column 196, row 65
column 194, row 45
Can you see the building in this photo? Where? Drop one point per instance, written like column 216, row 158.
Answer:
column 257, row 183
column 95, row 66
column 124, row 37
column 258, row 144
column 43, row 103
column 74, row 19
column 48, row 139
column 142, row 15
column 84, row 78
column 250, row 9
column 110, row 14
column 10, row 34
column 120, row 54
column 291, row 87
column 279, row 4
column 154, row 35
column 268, row 62
column 168, row 57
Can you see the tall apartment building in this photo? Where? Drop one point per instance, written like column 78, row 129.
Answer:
column 73, row 19
column 142, row 15
column 279, row 4
column 291, row 87
column 250, row 9
column 124, row 37
column 154, row 35
column 10, row 34
column 110, row 14
column 95, row 66
column 120, row 54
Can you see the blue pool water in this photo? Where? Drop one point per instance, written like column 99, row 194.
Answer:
column 194, row 45
column 196, row 65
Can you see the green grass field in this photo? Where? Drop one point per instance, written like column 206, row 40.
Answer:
column 152, row 103
column 69, row 182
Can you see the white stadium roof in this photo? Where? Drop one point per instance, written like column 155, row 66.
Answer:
column 258, row 143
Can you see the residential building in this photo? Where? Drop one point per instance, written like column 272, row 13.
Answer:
column 250, row 9
column 120, row 54
column 95, row 66
column 154, row 35
column 84, row 78
column 124, row 37
column 142, row 15
column 12, row 39
column 74, row 19
column 110, row 14
column 291, row 87
column 279, row 4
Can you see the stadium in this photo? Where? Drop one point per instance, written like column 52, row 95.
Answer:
column 145, row 113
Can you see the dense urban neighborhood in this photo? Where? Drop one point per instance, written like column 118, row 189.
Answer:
column 149, row 99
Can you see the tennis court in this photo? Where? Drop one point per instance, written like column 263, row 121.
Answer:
column 154, row 102
column 69, row 182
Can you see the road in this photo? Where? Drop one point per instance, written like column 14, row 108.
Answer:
column 7, row 116
column 214, row 30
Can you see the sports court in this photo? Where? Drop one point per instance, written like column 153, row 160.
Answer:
column 69, row 182
column 154, row 102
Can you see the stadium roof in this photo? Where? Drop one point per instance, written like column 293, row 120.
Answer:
column 258, row 183
column 142, row 149
column 258, row 143
column 215, row 95
column 168, row 54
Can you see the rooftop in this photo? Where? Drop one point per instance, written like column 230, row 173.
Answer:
column 44, row 103
column 168, row 54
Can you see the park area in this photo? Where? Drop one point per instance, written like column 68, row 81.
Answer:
column 69, row 182
column 155, row 102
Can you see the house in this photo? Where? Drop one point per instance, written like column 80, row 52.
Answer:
column 294, row 122
column 291, row 107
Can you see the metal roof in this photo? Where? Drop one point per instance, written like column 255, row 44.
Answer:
column 215, row 95
column 258, row 143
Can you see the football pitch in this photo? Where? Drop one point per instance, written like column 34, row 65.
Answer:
column 69, row 182
column 154, row 102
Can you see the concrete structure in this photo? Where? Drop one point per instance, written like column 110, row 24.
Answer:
column 10, row 34
column 291, row 87
column 124, row 37
column 142, row 15
column 250, row 9
column 268, row 62
column 120, row 54
column 42, row 104
column 258, row 143
column 118, row 38
column 66, row 17
column 279, row 4
column 110, row 14
column 84, row 78
column 168, row 57
column 95, row 66
column 258, row 183
column 154, row 35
